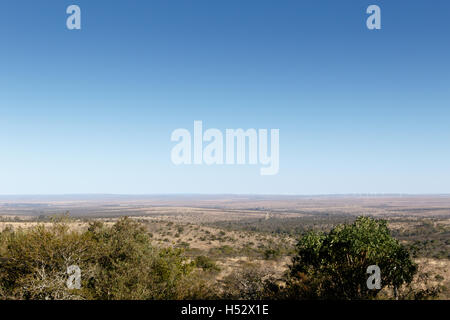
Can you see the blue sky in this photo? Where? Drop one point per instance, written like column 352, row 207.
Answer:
column 92, row 111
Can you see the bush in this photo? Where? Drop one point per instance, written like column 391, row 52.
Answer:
column 272, row 254
column 334, row 265
column 250, row 283
column 116, row 262
column 206, row 263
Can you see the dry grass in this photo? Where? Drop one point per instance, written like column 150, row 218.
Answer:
column 189, row 222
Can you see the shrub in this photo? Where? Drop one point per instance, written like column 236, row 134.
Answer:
column 271, row 254
column 249, row 283
column 206, row 263
column 116, row 262
column 334, row 265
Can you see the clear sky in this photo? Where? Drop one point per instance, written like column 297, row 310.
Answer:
column 92, row 110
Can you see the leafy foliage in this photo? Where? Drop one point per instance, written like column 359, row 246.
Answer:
column 334, row 265
column 117, row 262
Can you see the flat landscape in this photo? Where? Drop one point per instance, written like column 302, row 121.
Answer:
column 238, row 233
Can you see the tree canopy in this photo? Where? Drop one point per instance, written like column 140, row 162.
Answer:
column 334, row 265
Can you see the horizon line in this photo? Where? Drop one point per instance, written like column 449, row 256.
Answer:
column 225, row 194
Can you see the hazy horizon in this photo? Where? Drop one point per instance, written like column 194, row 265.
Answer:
column 225, row 194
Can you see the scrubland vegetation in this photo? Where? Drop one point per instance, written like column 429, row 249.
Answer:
column 312, row 257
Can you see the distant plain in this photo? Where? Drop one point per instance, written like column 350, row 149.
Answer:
column 242, row 231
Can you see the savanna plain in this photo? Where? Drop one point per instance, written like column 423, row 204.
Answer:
column 224, row 246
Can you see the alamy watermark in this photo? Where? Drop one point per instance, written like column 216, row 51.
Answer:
column 374, row 280
column 74, row 279
column 373, row 22
column 73, row 21
column 239, row 147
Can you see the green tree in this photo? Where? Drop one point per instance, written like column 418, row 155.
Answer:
column 334, row 265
